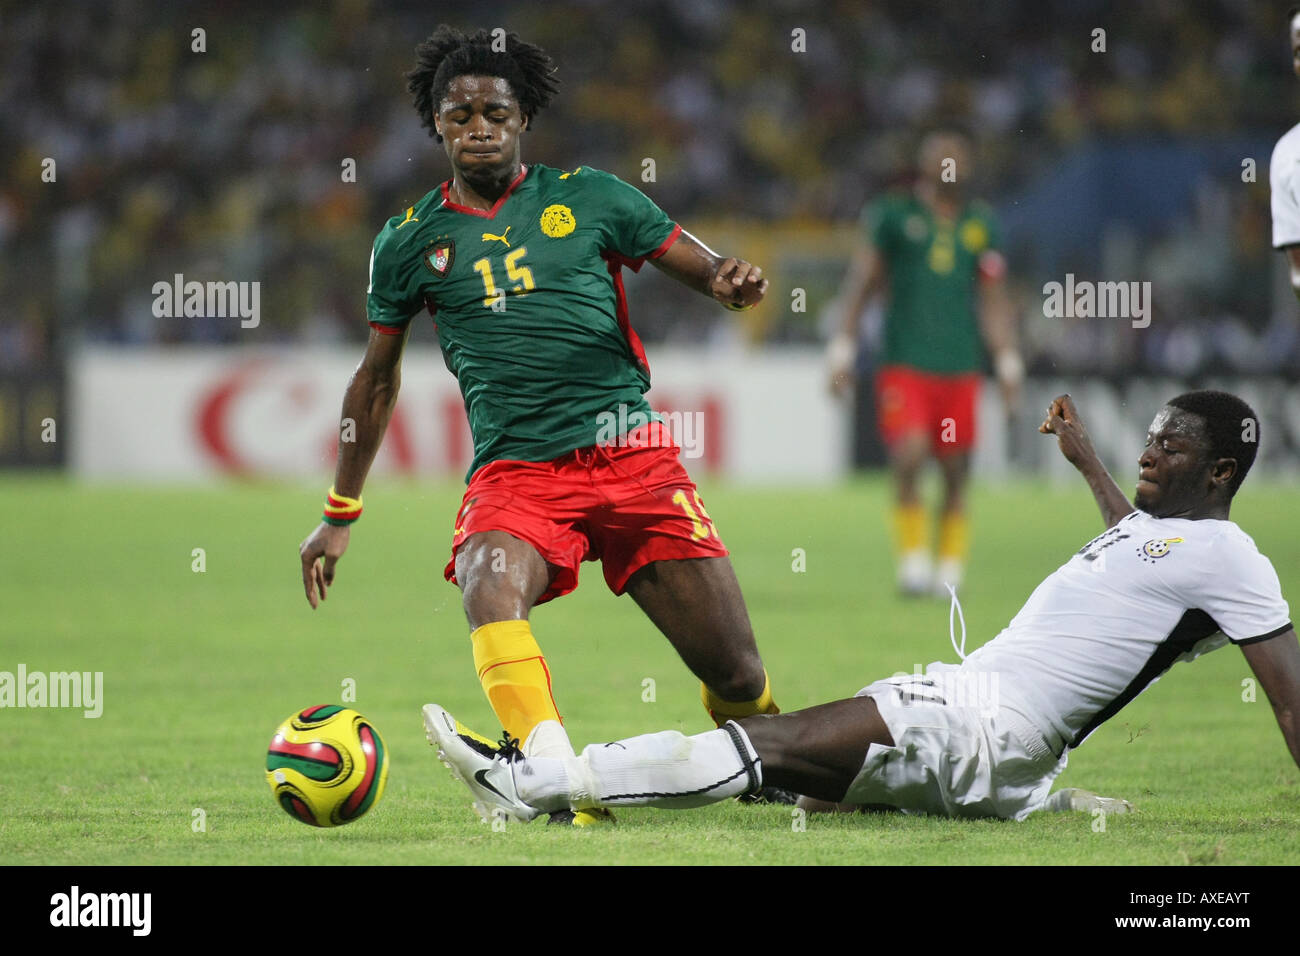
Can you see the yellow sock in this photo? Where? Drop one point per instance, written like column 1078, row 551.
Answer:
column 724, row 710
column 910, row 528
column 514, row 676
column 954, row 536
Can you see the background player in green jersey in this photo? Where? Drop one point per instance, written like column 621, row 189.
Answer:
column 519, row 265
column 935, row 250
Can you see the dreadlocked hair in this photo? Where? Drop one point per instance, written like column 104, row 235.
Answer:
column 449, row 53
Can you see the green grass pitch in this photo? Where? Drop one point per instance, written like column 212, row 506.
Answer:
column 199, row 668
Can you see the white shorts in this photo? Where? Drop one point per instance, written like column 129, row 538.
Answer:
column 956, row 758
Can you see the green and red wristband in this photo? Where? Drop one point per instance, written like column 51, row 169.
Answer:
column 341, row 510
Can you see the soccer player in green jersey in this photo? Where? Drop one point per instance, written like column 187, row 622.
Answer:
column 519, row 266
column 935, row 250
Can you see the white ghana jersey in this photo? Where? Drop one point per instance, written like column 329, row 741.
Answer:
column 1284, row 183
column 1133, row 601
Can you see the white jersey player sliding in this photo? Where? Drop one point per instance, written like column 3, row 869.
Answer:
column 1166, row 582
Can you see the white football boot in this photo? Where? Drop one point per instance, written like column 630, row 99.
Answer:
column 1076, row 798
column 490, row 779
column 915, row 573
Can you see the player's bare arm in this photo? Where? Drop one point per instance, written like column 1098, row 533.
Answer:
column 1064, row 422
column 866, row 277
column 998, row 326
column 734, row 282
column 1276, row 663
column 368, row 402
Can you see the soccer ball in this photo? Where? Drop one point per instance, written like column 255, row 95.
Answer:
column 327, row 765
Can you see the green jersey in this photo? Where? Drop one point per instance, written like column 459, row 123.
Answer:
column 931, row 322
column 528, row 303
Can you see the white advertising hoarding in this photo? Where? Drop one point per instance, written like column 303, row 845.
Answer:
column 197, row 413
column 760, row 416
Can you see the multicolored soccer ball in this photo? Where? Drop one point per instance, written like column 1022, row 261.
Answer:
column 327, row 765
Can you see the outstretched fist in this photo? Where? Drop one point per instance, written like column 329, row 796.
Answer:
column 738, row 285
column 1064, row 422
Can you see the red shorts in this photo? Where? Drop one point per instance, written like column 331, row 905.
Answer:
column 625, row 505
column 941, row 406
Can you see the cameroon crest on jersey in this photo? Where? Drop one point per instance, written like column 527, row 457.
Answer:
column 440, row 257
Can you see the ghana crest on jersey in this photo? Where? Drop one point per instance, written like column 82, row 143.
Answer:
column 528, row 303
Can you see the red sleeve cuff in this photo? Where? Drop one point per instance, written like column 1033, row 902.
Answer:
column 385, row 329
column 635, row 265
column 667, row 243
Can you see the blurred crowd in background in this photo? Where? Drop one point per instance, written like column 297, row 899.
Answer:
column 226, row 164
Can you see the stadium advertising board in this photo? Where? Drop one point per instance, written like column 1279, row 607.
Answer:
column 194, row 414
